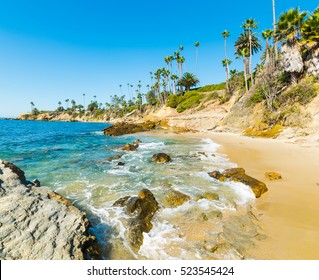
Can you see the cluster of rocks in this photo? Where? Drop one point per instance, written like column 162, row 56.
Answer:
column 37, row 223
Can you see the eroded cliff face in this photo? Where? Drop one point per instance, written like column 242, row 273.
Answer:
column 38, row 224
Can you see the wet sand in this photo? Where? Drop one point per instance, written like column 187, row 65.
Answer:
column 290, row 209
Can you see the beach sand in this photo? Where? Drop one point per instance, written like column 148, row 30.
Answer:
column 290, row 209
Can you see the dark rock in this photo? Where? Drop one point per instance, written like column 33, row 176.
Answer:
column 217, row 175
column 142, row 209
column 257, row 186
column 36, row 183
column 130, row 147
column 128, row 128
column 228, row 173
column 175, row 198
column 161, row 157
column 114, row 157
column 15, row 170
column 120, row 163
column 238, row 175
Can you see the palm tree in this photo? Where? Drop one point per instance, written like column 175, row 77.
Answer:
column 180, row 61
column 67, row 103
column 310, row 39
column 244, row 43
column 288, row 32
column 249, row 25
column 243, row 54
column 174, row 78
column 188, row 80
column 181, row 48
column 267, row 34
column 121, row 89
column 274, row 25
column 196, row 45
column 226, row 62
column 84, row 101
column 32, row 106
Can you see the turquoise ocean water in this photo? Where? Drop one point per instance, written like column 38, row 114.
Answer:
column 72, row 159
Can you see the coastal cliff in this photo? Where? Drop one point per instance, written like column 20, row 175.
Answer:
column 37, row 223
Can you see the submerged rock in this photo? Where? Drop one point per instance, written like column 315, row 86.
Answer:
column 141, row 209
column 239, row 175
column 209, row 196
column 130, row 147
column 39, row 224
column 273, row 176
column 161, row 157
column 128, row 128
column 174, row 198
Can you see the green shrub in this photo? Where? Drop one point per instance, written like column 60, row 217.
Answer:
column 189, row 100
column 213, row 95
column 172, row 101
column 214, row 87
column 302, row 93
column 256, row 97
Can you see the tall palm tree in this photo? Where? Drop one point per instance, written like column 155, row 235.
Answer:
column 274, row 26
column 196, row 46
column 244, row 54
column 121, row 89
column 250, row 25
column 288, row 32
column 248, row 43
column 267, row 34
column 174, row 78
column 32, row 106
column 180, row 61
column 84, row 101
column 188, row 80
column 310, row 39
column 226, row 62
column 67, row 103
column 225, row 35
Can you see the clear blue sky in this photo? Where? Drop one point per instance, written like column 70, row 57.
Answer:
column 54, row 50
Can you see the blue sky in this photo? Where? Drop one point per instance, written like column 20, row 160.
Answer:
column 54, row 50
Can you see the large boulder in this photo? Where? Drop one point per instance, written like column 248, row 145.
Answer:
column 39, row 224
column 239, row 175
column 123, row 128
column 161, row 157
column 174, row 198
column 141, row 209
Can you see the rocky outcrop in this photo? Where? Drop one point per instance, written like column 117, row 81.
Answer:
column 130, row 147
column 161, row 157
column 37, row 223
column 239, row 175
column 174, row 198
column 141, row 209
column 128, row 128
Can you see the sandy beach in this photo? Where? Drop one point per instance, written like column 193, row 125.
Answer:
column 289, row 210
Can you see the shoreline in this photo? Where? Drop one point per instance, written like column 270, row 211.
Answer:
column 289, row 209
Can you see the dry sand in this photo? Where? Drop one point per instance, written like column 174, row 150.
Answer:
column 290, row 209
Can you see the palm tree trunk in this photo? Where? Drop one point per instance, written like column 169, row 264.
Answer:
column 196, row 60
column 274, row 23
column 245, row 74
column 250, row 59
column 267, row 51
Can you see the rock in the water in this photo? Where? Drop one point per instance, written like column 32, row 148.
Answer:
column 174, row 198
column 38, row 224
column 142, row 209
column 120, row 163
column 161, row 157
column 273, row 176
column 239, row 175
column 130, row 147
column 128, row 128
column 209, row 196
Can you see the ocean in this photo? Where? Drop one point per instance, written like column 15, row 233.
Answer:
column 73, row 159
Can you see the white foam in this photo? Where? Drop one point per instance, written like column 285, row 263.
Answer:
column 243, row 193
column 152, row 146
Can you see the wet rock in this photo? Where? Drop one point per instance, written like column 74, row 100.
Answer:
column 114, row 157
column 257, row 186
column 228, row 173
column 209, row 196
column 217, row 175
column 239, row 175
column 36, row 183
column 16, row 170
column 141, row 209
column 161, row 157
column 273, row 176
column 202, row 153
column 120, row 163
column 130, row 147
column 174, row 198
column 39, row 224
column 128, row 128
column 203, row 217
